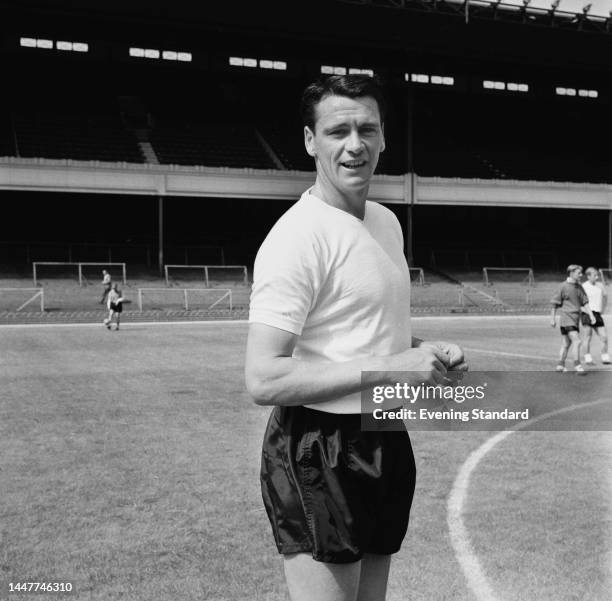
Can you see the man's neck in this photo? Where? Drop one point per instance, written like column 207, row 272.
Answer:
column 354, row 204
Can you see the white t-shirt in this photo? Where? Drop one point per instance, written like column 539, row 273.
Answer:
column 596, row 294
column 341, row 284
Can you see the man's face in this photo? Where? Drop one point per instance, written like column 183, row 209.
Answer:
column 346, row 142
column 576, row 275
column 592, row 276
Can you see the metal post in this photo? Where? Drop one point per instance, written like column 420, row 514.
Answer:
column 124, row 275
column 80, row 274
column 410, row 192
column 186, row 305
column 140, row 299
column 160, row 234
column 610, row 239
column 34, row 273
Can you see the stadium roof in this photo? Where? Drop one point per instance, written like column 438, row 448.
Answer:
column 597, row 8
column 583, row 15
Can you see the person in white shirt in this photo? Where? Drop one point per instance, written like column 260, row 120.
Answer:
column 598, row 297
column 330, row 317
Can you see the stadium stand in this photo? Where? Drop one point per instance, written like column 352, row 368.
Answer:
column 65, row 128
column 289, row 149
column 508, row 137
column 483, row 136
column 7, row 144
column 216, row 144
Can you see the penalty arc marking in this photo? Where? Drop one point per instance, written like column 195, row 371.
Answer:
column 472, row 569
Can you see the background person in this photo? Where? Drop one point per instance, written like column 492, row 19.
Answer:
column 106, row 285
column 598, row 297
column 115, row 307
column 330, row 316
column 571, row 300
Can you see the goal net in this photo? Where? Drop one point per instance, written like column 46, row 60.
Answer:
column 84, row 272
column 211, row 275
column 417, row 276
column 606, row 276
column 17, row 299
column 168, row 299
column 510, row 275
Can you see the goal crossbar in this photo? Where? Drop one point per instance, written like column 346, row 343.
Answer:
column 206, row 269
column 485, row 273
column 79, row 266
column 38, row 293
column 227, row 294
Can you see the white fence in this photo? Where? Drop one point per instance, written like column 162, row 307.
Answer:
column 184, row 295
column 39, row 293
column 418, row 274
column 243, row 276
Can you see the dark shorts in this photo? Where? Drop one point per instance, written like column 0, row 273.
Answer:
column 332, row 490
column 116, row 307
column 565, row 330
column 586, row 320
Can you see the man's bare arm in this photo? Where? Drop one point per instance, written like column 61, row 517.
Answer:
column 274, row 377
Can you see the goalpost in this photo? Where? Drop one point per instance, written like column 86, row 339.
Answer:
column 209, row 271
column 39, row 293
column 417, row 275
column 185, row 297
column 529, row 278
column 606, row 276
column 79, row 267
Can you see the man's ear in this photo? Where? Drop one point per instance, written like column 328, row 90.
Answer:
column 383, row 145
column 309, row 141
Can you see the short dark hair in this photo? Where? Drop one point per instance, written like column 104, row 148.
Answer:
column 351, row 86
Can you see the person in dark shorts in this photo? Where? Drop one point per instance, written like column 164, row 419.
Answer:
column 329, row 317
column 570, row 300
column 597, row 295
column 115, row 307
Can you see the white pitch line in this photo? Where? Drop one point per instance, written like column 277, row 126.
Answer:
column 474, row 574
column 128, row 325
column 506, row 354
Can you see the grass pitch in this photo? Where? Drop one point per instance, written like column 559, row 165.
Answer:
column 129, row 466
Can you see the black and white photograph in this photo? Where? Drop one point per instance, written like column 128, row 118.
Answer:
column 306, row 301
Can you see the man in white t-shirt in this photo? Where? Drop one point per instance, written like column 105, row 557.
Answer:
column 329, row 317
column 596, row 292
